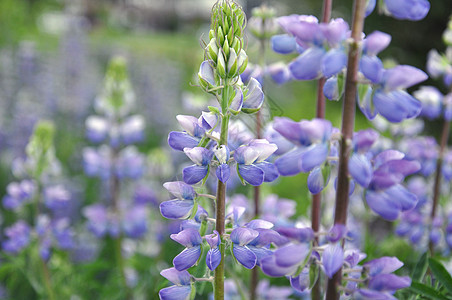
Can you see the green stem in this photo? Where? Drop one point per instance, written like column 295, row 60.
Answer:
column 221, row 196
column 46, row 277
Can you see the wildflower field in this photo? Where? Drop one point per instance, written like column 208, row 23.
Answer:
column 225, row 150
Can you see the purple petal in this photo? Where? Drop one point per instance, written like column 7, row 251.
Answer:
column 271, row 268
column 306, row 31
column 287, row 164
column 237, row 101
column 245, row 155
column 376, row 42
column 370, row 7
column 244, row 256
column 381, row 203
column 389, row 282
column 279, row 72
column 383, row 265
column 413, row 10
column 190, row 125
column 213, row 258
column 194, row 174
column 360, row 169
column 316, row 182
column 372, row 68
column 213, row 239
column 406, row 199
column 180, row 190
column 298, row 234
column 364, row 139
column 270, row 171
column 188, row 238
column 254, row 98
column 251, row 174
column 260, row 253
column 302, row 282
column 331, row 89
column 259, row 224
column 187, row 258
column 223, row 172
column 335, row 31
column 366, row 294
column 175, row 293
column 283, row 43
column 308, row 65
column 332, row 259
column 333, row 62
column 396, row 106
column 313, row 157
column 388, row 155
column 242, row 236
column 336, row 233
column 288, row 128
column 176, row 209
column 402, row 77
column 180, row 140
column 199, row 155
column 291, row 255
column 206, row 72
column 176, row 277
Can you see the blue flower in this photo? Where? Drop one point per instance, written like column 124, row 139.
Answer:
column 201, row 157
column 180, row 208
column 191, row 239
column 181, row 289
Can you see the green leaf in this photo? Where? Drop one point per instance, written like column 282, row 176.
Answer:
column 426, row 291
column 421, row 268
column 440, row 273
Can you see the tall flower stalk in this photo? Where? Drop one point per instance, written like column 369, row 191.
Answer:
column 348, row 122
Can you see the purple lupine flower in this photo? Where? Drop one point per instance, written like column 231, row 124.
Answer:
column 130, row 163
column 97, row 216
column 180, row 208
column 285, row 260
column 197, row 172
column 431, row 99
column 283, row 43
column 223, row 171
column 191, row 239
column 251, row 164
column 96, row 162
column 278, row 72
column 213, row 257
column 332, row 259
column 56, row 197
column 389, row 98
column 278, row 211
column 181, row 289
column 18, row 236
column 192, row 135
column 145, row 195
column 18, row 193
column 413, row 10
column 240, row 237
column 311, row 139
column 253, row 97
column 424, row 150
column 135, row 221
column 97, row 129
column 337, row 233
column 132, row 129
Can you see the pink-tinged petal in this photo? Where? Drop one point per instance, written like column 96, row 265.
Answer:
column 194, row 174
column 402, row 77
column 364, row 139
column 176, row 209
column 180, row 140
column 175, row 293
column 389, row 282
column 383, row 265
column 271, row 268
column 189, row 237
column 180, row 190
column 242, row 236
column 298, row 234
column 386, row 156
column 376, row 42
column 336, row 233
column 332, row 259
column 187, row 258
column 335, row 31
column 176, row 277
column 291, row 255
column 244, row 256
column 251, row 174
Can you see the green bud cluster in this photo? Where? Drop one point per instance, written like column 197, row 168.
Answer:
column 447, row 35
column 39, row 149
column 262, row 23
column 117, row 93
column 225, row 47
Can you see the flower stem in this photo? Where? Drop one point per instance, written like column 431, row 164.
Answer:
column 46, row 278
column 320, row 113
column 437, row 184
column 221, row 197
column 348, row 122
column 114, row 194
